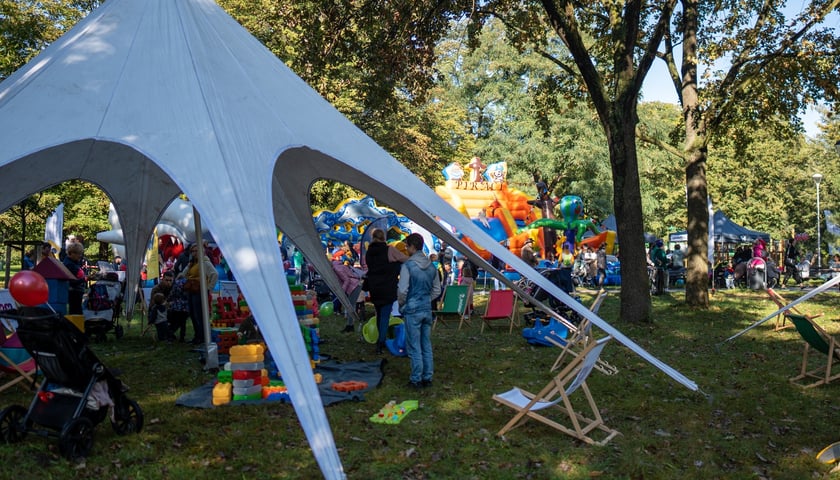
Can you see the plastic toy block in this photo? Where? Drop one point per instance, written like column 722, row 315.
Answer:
column 222, row 393
column 393, row 413
column 349, row 386
column 224, row 376
column 250, row 349
column 246, row 374
column 256, row 396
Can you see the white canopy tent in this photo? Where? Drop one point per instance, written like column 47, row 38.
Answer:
column 150, row 98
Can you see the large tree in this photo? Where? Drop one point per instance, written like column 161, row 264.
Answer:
column 610, row 47
column 762, row 68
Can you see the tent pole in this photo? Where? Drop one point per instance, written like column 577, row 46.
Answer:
column 212, row 353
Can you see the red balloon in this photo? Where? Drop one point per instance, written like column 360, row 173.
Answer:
column 29, row 288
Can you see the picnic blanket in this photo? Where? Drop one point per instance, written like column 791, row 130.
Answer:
column 332, row 371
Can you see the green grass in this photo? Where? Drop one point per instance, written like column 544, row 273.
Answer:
column 753, row 424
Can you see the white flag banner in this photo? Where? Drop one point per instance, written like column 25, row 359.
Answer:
column 54, row 232
column 711, row 245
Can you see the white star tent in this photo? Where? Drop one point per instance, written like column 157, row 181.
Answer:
column 148, row 99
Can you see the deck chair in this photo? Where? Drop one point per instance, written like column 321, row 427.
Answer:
column 501, row 305
column 16, row 361
column 781, row 319
column 455, row 302
column 581, row 337
column 817, row 341
column 555, row 398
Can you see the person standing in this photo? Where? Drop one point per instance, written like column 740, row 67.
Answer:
column 383, row 262
column 792, row 263
column 417, row 286
column 468, row 274
column 601, row 264
column 528, row 255
column 660, row 261
column 178, row 307
column 76, row 289
column 193, row 288
column 351, row 284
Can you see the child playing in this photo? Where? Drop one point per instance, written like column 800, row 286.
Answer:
column 157, row 317
column 729, row 275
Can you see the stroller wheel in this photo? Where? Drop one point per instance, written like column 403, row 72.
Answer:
column 11, row 429
column 76, row 438
column 128, row 417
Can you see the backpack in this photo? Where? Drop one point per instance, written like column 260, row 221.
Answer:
column 98, row 298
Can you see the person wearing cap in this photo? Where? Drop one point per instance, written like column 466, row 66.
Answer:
column 660, row 260
column 528, row 255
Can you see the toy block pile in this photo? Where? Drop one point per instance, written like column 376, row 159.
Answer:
column 243, row 377
column 228, row 312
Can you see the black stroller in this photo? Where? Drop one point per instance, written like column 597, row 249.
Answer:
column 102, row 308
column 559, row 278
column 76, row 392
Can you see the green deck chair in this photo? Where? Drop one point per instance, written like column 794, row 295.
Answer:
column 455, row 302
column 820, row 341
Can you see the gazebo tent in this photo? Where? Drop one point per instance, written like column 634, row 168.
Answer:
column 725, row 231
column 148, row 99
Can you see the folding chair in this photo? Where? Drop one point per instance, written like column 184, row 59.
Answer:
column 816, row 339
column 581, row 337
column 781, row 318
column 16, row 361
column 454, row 303
column 559, row 389
column 501, row 305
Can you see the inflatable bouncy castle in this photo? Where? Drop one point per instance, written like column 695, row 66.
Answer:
column 483, row 195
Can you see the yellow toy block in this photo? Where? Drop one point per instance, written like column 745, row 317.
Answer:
column 222, row 393
column 253, row 349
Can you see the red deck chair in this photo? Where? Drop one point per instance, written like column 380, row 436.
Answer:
column 500, row 306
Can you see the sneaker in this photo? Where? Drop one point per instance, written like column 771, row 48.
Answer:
column 414, row 385
column 426, row 383
column 348, row 329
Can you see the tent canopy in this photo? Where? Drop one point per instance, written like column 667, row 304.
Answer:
column 610, row 223
column 725, row 231
column 148, row 99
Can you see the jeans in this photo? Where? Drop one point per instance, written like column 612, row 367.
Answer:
column 383, row 318
column 418, row 330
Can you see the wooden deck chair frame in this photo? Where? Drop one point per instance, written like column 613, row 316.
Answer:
column 23, row 372
column 501, row 305
column 555, row 398
column 455, row 301
column 781, row 319
column 818, row 341
column 581, row 337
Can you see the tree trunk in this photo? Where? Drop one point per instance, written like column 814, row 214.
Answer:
column 635, row 290
column 698, row 268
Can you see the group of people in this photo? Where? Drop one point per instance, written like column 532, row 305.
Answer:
column 589, row 264
column 178, row 295
column 411, row 279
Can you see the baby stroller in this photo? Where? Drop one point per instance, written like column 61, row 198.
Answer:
column 761, row 274
column 555, row 276
column 76, row 392
column 101, row 310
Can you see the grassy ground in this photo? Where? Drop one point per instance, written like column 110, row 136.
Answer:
column 753, row 424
